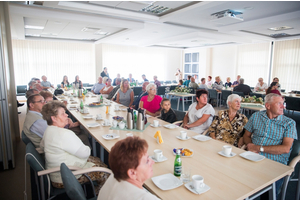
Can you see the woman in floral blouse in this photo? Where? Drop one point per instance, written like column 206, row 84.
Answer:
column 228, row 126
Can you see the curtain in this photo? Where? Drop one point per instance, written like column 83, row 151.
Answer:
column 54, row 60
column 253, row 62
column 286, row 64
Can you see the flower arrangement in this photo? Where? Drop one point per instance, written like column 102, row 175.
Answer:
column 181, row 90
column 253, row 99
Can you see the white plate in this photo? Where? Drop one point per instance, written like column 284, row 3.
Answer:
column 91, row 125
column 74, row 102
column 185, row 156
column 99, row 119
column 110, row 136
column 166, row 181
column 72, row 99
column 162, row 159
column 87, row 117
column 232, row 154
column 201, row 138
column 123, row 109
column 109, row 124
column 190, row 187
column 73, row 106
column 171, row 126
column 152, row 125
column 252, row 156
column 180, row 138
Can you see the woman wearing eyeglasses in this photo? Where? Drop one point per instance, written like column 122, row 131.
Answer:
column 151, row 102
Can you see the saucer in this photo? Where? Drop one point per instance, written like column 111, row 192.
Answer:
column 180, row 138
column 99, row 119
column 162, row 159
column 152, row 125
column 191, row 188
column 232, row 154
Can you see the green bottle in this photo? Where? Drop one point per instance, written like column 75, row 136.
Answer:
column 177, row 164
column 101, row 98
column 81, row 105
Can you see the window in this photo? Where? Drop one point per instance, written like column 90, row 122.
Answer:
column 191, row 66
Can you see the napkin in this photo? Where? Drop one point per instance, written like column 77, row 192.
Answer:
column 158, row 137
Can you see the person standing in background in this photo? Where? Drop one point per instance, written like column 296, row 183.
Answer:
column 178, row 75
column 104, row 73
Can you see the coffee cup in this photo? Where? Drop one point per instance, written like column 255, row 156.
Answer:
column 227, row 150
column 198, row 181
column 115, row 124
column 158, row 154
column 155, row 123
column 183, row 134
column 122, row 125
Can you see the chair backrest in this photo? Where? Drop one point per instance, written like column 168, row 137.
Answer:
column 161, row 82
column 212, row 94
column 72, row 186
column 25, row 139
column 255, row 94
column 37, row 163
column 239, row 93
column 174, row 81
column 295, row 150
column 85, row 84
column 21, row 89
column 225, row 94
column 192, row 90
column 161, row 90
column 179, row 114
column 292, row 103
column 137, row 90
column 282, row 90
column 173, row 87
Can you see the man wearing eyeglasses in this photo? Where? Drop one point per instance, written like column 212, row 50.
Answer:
column 34, row 125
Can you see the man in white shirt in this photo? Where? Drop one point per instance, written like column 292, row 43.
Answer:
column 45, row 84
column 34, row 125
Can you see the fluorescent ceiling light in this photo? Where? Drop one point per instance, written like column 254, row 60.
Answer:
column 34, row 27
column 101, row 33
column 90, row 29
column 33, row 35
column 280, row 28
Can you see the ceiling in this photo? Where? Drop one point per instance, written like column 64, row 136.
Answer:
column 172, row 24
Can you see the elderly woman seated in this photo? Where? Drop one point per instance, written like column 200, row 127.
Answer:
column 229, row 124
column 62, row 145
column 151, row 102
column 131, row 167
column 200, row 113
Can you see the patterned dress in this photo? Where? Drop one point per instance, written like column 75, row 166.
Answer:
column 226, row 130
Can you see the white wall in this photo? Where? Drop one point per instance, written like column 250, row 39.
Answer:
column 138, row 60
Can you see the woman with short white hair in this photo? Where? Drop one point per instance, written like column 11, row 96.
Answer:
column 228, row 126
column 151, row 102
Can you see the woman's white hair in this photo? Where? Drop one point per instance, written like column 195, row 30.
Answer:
column 149, row 86
column 232, row 97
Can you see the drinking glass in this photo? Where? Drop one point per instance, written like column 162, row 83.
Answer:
column 185, row 174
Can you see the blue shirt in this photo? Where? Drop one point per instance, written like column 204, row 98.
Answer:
column 186, row 83
column 269, row 132
column 97, row 87
column 39, row 126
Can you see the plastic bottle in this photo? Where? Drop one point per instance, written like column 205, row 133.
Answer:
column 81, row 105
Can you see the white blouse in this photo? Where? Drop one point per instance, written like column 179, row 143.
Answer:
column 258, row 87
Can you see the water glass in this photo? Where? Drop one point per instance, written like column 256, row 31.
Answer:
column 185, row 174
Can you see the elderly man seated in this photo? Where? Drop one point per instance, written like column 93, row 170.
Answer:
column 156, row 82
column 98, row 86
column 136, row 102
column 45, row 84
column 270, row 133
column 192, row 84
column 242, row 87
column 34, row 125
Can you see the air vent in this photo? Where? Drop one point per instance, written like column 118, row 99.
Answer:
column 279, row 35
column 280, row 28
column 89, row 29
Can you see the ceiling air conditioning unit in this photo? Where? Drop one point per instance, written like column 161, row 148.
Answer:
column 226, row 17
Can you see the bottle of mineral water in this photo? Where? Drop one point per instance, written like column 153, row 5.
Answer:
column 177, row 164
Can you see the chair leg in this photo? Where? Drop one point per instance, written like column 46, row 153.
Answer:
column 284, row 187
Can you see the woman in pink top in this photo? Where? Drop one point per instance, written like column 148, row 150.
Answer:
column 151, row 102
column 273, row 89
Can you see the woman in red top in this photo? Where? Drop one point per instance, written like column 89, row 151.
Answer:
column 273, row 89
column 151, row 102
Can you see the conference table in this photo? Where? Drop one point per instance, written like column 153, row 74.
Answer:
column 181, row 95
column 228, row 178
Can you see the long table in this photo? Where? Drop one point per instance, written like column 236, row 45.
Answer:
column 228, row 178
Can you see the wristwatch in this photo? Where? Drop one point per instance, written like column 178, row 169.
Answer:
column 261, row 149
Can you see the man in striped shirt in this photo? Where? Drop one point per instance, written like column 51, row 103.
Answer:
column 270, row 133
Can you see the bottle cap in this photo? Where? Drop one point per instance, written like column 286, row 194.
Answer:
column 178, row 151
